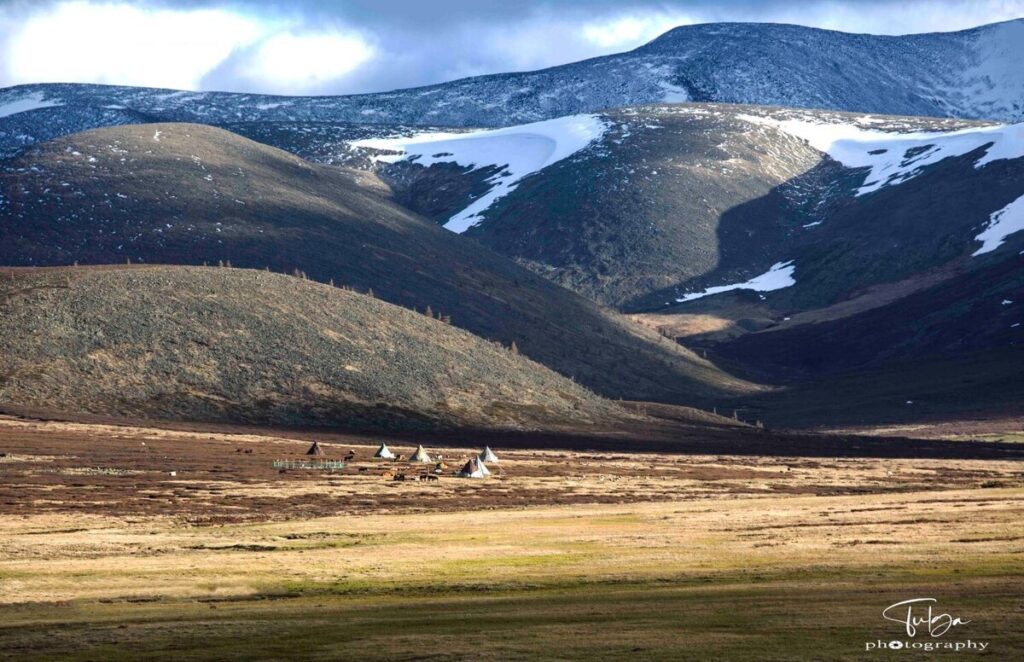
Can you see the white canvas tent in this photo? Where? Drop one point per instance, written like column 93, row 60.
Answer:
column 420, row 455
column 384, row 453
column 471, row 470
column 483, row 467
column 487, row 455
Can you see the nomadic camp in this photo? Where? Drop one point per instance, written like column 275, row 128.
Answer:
column 315, row 449
column 420, row 455
column 384, row 453
column 487, row 455
column 472, row 470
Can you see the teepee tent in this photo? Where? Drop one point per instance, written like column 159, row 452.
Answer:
column 420, row 455
column 483, row 467
column 384, row 452
column 487, row 455
column 315, row 449
column 471, row 470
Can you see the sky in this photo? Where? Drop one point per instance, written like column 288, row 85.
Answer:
column 354, row 46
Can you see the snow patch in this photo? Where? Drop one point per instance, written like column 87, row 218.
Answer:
column 31, row 102
column 776, row 278
column 1001, row 225
column 518, row 150
column 897, row 157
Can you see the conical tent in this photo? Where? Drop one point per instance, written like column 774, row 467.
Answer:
column 384, row 452
column 471, row 470
column 315, row 449
column 420, row 455
column 483, row 467
column 487, row 455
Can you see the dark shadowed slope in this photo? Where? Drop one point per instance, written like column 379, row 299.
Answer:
column 952, row 350
column 973, row 73
column 189, row 194
column 233, row 345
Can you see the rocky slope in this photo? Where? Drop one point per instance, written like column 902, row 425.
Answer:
column 233, row 345
column 972, row 73
column 189, row 194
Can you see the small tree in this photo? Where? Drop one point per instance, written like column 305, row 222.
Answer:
column 514, row 348
column 429, row 312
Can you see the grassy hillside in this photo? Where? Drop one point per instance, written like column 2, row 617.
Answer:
column 210, row 344
column 189, row 194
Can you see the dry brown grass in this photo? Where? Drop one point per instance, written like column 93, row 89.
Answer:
column 669, row 557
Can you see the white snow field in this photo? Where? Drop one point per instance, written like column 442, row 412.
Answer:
column 26, row 103
column 776, row 278
column 518, row 150
column 1002, row 224
column 895, row 157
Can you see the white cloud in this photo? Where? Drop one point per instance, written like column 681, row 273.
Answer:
column 122, row 44
column 118, row 43
column 622, row 32
column 295, row 62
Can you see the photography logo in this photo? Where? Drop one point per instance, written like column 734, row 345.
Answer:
column 926, row 627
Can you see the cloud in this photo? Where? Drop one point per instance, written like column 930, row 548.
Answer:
column 119, row 43
column 631, row 30
column 183, row 48
column 328, row 47
column 291, row 62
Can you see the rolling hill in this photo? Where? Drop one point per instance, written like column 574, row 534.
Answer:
column 234, row 345
column 971, row 74
column 190, row 194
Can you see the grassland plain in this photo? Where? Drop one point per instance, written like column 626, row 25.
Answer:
column 750, row 560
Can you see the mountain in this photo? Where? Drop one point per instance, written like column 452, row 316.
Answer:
column 859, row 260
column 658, row 206
column 972, row 74
column 233, row 345
column 191, row 194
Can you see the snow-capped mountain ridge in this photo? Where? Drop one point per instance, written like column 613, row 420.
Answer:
column 973, row 74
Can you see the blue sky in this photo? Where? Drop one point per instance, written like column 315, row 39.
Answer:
column 337, row 47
